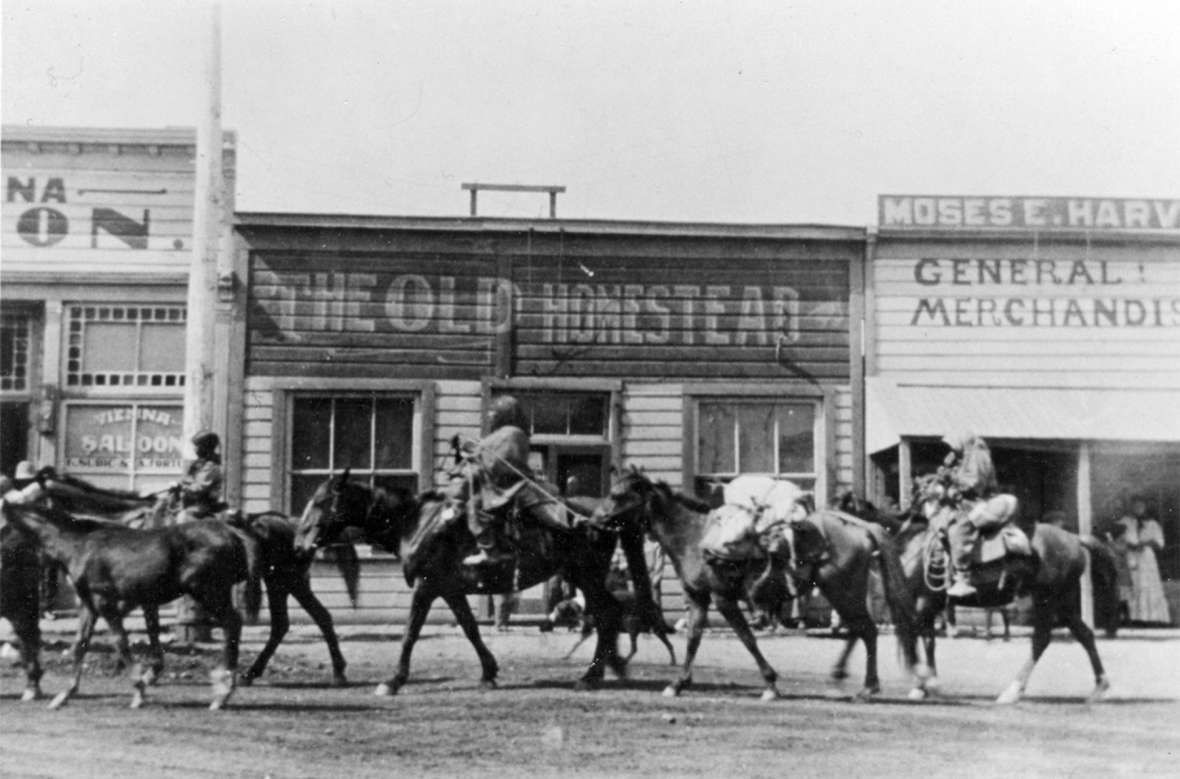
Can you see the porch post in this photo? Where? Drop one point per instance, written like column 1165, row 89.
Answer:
column 1085, row 527
column 905, row 473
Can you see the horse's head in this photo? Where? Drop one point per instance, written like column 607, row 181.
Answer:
column 336, row 505
column 629, row 500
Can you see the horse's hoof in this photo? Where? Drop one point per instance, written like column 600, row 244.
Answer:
column 587, row 684
column 385, row 690
column 917, row 694
column 136, row 702
column 487, row 684
column 1100, row 690
column 247, row 680
column 31, row 694
column 619, row 667
column 1010, row 695
column 769, row 694
column 339, row 680
column 59, row 700
column 671, row 691
column 866, row 694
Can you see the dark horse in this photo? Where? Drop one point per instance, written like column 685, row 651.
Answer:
column 285, row 572
column 20, row 573
column 1053, row 581
column 115, row 569
column 836, row 556
column 432, row 548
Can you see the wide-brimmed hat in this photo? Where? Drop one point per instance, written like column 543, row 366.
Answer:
column 206, row 438
column 24, row 471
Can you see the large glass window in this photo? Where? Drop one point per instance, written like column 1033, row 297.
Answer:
column 773, row 438
column 372, row 435
column 137, row 446
column 126, row 346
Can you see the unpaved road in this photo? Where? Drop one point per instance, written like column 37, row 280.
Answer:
column 291, row 724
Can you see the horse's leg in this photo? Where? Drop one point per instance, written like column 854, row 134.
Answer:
column 123, row 647
column 467, row 622
column 86, row 619
column 925, row 678
column 663, row 637
column 420, row 601
column 698, row 610
column 280, row 622
column 220, row 606
column 1043, row 614
column 301, row 589
column 28, row 634
column 607, row 614
column 151, row 622
column 1084, row 636
column 737, row 620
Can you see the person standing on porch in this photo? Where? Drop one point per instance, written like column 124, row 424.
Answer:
column 1142, row 540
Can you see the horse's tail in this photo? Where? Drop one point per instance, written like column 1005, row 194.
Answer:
column 897, row 595
column 252, row 598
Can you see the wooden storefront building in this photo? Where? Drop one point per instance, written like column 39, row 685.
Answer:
column 1051, row 327
column 696, row 351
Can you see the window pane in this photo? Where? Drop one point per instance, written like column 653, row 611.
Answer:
column 756, row 438
column 796, row 438
column 303, row 486
column 109, row 347
column 715, row 439
column 354, row 418
column 163, row 348
column 310, row 433
column 588, row 415
column 395, row 433
column 549, row 413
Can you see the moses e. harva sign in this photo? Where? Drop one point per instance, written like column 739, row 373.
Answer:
column 1027, row 213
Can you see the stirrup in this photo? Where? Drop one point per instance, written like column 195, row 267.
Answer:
column 961, row 587
column 484, row 557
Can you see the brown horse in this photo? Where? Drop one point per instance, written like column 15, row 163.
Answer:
column 1052, row 577
column 115, row 569
column 833, row 551
column 432, row 548
column 285, row 572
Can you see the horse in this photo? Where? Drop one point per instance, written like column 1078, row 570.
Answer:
column 432, row 544
column 20, row 575
column 1053, row 580
column 115, row 569
column 836, row 553
column 284, row 571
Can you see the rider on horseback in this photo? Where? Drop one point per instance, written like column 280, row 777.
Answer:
column 968, row 477
column 491, row 476
column 199, row 491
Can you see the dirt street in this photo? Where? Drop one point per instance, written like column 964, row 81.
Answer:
column 292, row 724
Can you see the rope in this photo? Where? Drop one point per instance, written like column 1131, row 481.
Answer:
column 525, row 477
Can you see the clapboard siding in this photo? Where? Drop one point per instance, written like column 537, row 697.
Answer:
column 1042, row 314
column 845, row 447
column 258, row 447
column 458, row 411
column 653, row 430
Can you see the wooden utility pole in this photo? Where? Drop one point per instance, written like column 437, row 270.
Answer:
column 200, row 334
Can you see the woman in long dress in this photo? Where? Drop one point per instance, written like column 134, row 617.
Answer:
column 1143, row 539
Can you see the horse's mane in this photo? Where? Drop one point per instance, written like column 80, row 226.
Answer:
column 59, row 517
column 85, row 486
column 699, row 506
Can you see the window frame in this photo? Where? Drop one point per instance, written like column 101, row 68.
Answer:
column 136, row 381
column 422, row 393
column 736, row 393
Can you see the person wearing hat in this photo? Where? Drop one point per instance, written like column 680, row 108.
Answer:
column 200, row 489
column 967, row 474
column 26, row 486
column 491, row 474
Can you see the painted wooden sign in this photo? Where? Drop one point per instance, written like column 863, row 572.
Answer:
column 605, row 315
column 950, row 212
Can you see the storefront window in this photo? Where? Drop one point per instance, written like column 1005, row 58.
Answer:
column 126, row 346
column 137, row 446
column 14, row 352
column 372, row 435
column 754, row 437
column 569, row 435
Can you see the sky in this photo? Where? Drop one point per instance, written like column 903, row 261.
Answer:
column 751, row 111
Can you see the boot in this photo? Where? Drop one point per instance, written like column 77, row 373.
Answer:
column 961, row 587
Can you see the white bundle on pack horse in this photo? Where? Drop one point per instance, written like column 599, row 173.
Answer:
column 756, row 549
